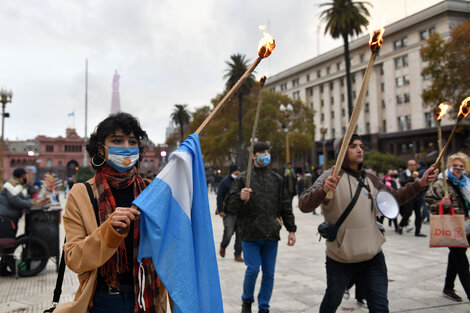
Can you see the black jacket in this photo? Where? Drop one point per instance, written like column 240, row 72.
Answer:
column 13, row 207
column 224, row 188
column 260, row 217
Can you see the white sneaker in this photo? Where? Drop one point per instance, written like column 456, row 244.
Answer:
column 409, row 228
column 346, row 294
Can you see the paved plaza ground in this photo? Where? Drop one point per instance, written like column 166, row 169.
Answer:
column 416, row 275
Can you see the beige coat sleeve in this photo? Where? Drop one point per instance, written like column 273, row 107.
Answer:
column 88, row 246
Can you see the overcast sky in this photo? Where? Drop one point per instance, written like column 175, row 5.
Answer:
column 166, row 51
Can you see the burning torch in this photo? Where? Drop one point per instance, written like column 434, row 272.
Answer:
column 463, row 112
column 442, row 110
column 375, row 42
column 265, row 47
column 253, row 132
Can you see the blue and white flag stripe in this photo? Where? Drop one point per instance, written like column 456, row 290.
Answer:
column 176, row 231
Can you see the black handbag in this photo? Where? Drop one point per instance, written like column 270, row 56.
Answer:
column 60, row 274
column 328, row 231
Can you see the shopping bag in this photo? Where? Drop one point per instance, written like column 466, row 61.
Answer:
column 448, row 230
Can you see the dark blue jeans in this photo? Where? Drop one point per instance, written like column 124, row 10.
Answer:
column 259, row 253
column 373, row 273
column 106, row 303
column 230, row 227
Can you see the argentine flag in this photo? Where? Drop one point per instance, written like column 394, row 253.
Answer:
column 176, row 231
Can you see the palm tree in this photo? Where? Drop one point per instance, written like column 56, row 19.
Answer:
column 181, row 117
column 344, row 18
column 237, row 66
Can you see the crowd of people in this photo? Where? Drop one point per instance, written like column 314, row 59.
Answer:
column 103, row 228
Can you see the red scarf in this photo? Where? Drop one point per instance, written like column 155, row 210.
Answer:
column 105, row 178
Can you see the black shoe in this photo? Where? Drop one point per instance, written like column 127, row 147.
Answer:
column 450, row 293
column 399, row 230
column 246, row 306
column 263, row 311
column 420, row 235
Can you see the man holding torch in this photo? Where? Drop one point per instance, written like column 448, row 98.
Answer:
column 356, row 248
column 260, row 209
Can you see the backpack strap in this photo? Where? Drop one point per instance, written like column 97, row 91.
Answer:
column 61, row 271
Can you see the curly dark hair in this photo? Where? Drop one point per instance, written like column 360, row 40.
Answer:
column 124, row 121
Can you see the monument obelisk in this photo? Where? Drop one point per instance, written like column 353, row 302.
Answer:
column 115, row 101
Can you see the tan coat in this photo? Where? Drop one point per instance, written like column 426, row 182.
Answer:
column 88, row 246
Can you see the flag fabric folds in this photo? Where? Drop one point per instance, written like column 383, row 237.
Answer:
column 176, row 231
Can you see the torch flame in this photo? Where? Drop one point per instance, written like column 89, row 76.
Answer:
column 262, row 81
column 443, row 108
column 464, row 109
column 266, row 44
column 376, row 39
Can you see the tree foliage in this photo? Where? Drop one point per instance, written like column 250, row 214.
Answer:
column 381, row 162
column 180, row 116
column 447, row 67
column 219, row 138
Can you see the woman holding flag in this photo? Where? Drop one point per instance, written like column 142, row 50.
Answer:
column 103, row 230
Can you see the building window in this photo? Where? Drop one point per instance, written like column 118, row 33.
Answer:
column 398, row 62
column 408, row 122
column 74, row 148
column 423, row 35
column 322, row 103
column 339, row 66
column 381, row 69
column 332, row 85
column 399, row 81
column 367, row 128
column 283, row 86
column 406, row 79
column 319, row 73
column 398, row 44
column 382, row 87
column 354, row 94
column 12, row 163
column 383, row 103
column 295, row 82
column 401, row 123
column 344, row 130
column 332, row 100
column 342, row 97
column 310, row 91
column 343, row 112
column 351, row 61
column 308, row 77
column 49, row 163
column 59, row 164
column 363, row 58
column 49, row 148
column 322, row 117
column 384, row 126
column 406, row 97
column 311, row 105
column 328, row 70
column 146, row 164
column 333, row 132
column 342, row 82
column 332, row 114
column 428, row 120
column 405, row 60
column 296, row 95
column 399, row 99
column 321, row 88
column 366, row 109
column 353, row 78
column 273, row 90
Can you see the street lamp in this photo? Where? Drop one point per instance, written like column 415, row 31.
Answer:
column 5, row 97
column 287, row 110
column 163, row 155
column 323, row 131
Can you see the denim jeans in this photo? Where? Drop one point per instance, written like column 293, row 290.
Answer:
column 259, row 253
column 106, row 303
column 230, row 227
column 457, row 264
column 373, row 274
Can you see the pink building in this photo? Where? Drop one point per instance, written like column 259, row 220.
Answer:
column 59, row 155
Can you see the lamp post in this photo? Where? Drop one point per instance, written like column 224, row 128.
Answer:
column 286, row 110
column 323, row 131
column 163, row 155
column 5, row 97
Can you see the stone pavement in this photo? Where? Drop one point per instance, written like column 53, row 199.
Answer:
column 416, row 275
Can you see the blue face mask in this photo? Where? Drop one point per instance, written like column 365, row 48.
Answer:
column 263, row 159
column 122, row 158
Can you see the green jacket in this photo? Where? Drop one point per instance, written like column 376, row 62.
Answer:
column 260, row 217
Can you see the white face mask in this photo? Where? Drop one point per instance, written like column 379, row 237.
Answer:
column 234, row 176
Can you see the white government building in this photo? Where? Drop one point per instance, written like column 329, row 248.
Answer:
column 393, row 119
